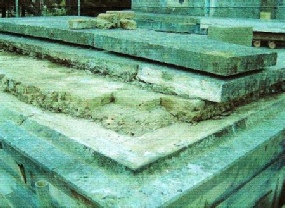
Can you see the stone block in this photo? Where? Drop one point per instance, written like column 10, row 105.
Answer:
column 77, row 24
column 104, row 24
column 236, row 35
column 123, row 14
column 109, row 17
column 128, row 24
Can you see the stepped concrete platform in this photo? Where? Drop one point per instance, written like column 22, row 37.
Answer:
column 116, row 137
column 232, row 156
column 192, row 52
column 161, row 78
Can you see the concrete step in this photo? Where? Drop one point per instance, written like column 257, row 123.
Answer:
column 215, row 169
column 165, row 79
column 188, row 51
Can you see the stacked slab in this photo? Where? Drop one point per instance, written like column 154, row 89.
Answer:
column 150, row 121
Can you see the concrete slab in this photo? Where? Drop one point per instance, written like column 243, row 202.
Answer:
column 193, row 52
column 216, row 89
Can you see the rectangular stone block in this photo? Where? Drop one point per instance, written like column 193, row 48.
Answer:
column 236, row 35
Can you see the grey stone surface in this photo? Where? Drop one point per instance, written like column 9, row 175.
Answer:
column 193, row 52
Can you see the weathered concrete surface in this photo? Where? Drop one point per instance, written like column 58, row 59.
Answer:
column 241, row 156
column 183, row 50
column 236, row 35
column 161, row 78
column 193, row 52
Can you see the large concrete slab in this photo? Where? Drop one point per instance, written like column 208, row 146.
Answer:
column 194, row 52
column 164, row 79
column 214, row 89
column 188, row 51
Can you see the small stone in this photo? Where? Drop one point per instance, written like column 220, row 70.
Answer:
column 109, row 17
column 104, row 24
column 123, row 14
column 128, row 24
